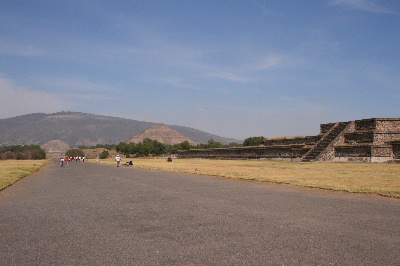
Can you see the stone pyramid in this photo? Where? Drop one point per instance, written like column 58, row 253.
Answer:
column 161, row 134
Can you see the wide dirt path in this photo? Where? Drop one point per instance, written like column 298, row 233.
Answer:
column 92, row 214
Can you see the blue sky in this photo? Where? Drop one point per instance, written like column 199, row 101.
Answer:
column 233, row 68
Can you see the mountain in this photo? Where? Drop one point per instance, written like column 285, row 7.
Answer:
column 163, row 134
column 77, row 129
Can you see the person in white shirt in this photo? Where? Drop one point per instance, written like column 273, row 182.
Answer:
column 118, row 159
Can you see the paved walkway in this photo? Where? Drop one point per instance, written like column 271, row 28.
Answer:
column 91, row 214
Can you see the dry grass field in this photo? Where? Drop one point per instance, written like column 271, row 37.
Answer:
column 13, row 170
column 381, row 179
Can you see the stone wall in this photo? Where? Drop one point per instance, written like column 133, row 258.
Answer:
column 366, row 124
column 307, row 140
column 388, row 125
column 382, row 138
column 358, row 138
column 353, row 151
column 382, row 151
column 285, row 152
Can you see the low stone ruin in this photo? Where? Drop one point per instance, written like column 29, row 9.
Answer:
column 367, row 140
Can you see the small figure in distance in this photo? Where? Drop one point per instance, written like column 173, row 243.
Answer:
column 129, row 163
column 169, row 159
column 118, row 159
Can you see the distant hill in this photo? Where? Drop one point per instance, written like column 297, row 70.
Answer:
column 77, row 129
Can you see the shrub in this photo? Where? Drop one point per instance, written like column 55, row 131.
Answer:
column 104, row 154
column 253, row 141
column 75, row 153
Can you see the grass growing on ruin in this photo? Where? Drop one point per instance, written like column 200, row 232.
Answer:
column 13, row 170
column 382, row 179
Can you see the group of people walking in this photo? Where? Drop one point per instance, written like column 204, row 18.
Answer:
column 65, row 161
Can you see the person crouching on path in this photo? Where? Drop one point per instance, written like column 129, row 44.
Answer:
column 118, row 159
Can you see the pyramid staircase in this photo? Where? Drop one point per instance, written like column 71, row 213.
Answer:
column 318, row 149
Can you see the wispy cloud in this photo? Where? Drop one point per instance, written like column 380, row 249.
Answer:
column 92, row 97
column 365, row 5
column 16, row 100
column 76, row 84
column 226, row 75
column 272, row 61
column 7, row 48
column 178, row 82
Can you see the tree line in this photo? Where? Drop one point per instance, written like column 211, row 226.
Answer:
column 149, row 147
column 22, row 152
column 152, row 147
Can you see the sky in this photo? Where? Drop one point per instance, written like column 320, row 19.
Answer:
column 237, row 69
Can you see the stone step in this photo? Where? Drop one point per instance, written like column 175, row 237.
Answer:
column 321, row 146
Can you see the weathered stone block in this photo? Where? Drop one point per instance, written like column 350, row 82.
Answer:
column 366, row 124
column 358, row 138
column 307, row 140
column 353, row 151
